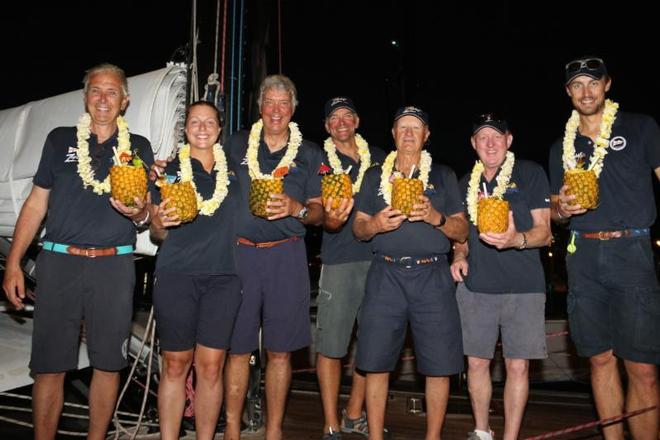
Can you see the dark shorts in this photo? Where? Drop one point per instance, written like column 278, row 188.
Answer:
column 614, row 299
column 275, row 295
column 423, row 296
column 71, row 289
column 341, row 290
column 195, row 309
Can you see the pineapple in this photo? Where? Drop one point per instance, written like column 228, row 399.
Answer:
column 260, row 191
column 128, row 182
column 182, row 197
column 492, row 215
column 584, row 184
column 405, row 193
column 337, row 186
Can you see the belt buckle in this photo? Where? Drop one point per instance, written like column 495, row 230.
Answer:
column 89, row 252
column 406, row 262
column 603, row 235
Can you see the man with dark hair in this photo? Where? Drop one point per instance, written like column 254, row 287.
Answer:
column 500, row 275
column 614, row 297
column 85, row 270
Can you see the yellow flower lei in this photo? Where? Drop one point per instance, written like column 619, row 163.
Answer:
column 295, row 139
column 388, row 167
column 206, row 207
column 335, row 163
column 85, row 171
column 602, row 141
column 502, row 179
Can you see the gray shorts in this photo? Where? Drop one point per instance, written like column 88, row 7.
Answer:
column 71, row 289
column 341, row 289
column 519, row 316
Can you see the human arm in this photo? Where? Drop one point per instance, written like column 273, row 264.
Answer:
column 657, row 173
column 538, row 236
column 366, row 226
column 32, row 214
column 162, row 218
column 454, row 226
column 459, row 264
column 282, row 205
column 334, row 219
column 561, row 210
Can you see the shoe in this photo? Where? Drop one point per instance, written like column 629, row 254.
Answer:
column 480, row 435
column 359, row 425
column 332, row 435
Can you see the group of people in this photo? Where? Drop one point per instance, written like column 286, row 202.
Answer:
column 230, row 280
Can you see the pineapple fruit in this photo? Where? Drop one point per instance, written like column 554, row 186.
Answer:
column 337, row 186
column 583, row 184
column 260, row 191
column 128, row 182
column 405, row 193
column 182, row 197
column 492, row 215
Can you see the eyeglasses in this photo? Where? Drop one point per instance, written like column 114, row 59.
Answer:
column 589, row 63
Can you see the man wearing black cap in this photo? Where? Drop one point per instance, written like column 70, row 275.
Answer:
column 504, row 288
column 344, row 271
column 409, row 279
column 614, row 297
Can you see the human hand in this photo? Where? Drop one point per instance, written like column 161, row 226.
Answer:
column 503, row 240
column 164, row 217
column 334, row 218
column 388, row 219
column 424, row 211
column 13, row 284
column 459, row 268
column 564, row 209
column 281, row 205
column 157, row 168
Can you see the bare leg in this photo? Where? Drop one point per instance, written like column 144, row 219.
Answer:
column 172, row 392
column 516, row 390
column 328, row 372
column 209, row 363
column 278, row 379
column 642, row 393
column 47, row 401
column 608, row 392
column 437, row 395
column 356, row 399
column 236, row 382
column 102, row 398
column 481, row 390
column 377, row 387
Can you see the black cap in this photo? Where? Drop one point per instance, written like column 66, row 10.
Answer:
column 411, row 110
column 491, row 120
column 338, row 102
column 591, row 66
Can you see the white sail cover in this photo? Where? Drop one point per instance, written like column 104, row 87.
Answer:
column 155, row 111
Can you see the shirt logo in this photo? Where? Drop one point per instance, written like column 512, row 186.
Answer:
column 618, row 143
column 71, row 155
column 244, row 161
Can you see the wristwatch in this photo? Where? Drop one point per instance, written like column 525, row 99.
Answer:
column 442, row 221
column 302, row 213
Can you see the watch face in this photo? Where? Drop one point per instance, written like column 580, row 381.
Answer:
column 303, row 213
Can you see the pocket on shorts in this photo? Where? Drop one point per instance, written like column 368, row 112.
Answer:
column 647, row 324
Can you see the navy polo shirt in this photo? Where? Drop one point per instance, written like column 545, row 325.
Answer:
column 205, row 246
column 626, row 197
column 412, row 238
column 79, row 216
column 302, row 183
column 509, row 270
column 342, row 246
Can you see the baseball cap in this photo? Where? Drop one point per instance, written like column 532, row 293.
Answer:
column 591, row 66
column 491, row 120
column 411, row 110
column 338, row 102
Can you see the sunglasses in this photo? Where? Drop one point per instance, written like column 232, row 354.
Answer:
column 588, row 63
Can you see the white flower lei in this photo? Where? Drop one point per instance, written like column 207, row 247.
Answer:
column 85, row 171
column 206, row 207
column 602, row 141
column 502, row 179
column 295, row 139
column 335, row 163
column 388, row 167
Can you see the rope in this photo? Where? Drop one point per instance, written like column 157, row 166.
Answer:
column 224, row 48
column 608, row 421
column 217, row 32
column 240, row 67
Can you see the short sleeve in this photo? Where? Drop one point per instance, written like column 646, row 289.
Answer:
column 452, row 195
column 651, row 136
column 538, row 188
column 556, row 169
column 364, row 199
column 44, row 176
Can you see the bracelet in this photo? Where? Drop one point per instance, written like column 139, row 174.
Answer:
column 523, row 243
column 143, row 221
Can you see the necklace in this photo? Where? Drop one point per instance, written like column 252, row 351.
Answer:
column 365, row 159
column 295, row 139
column 388, row 169
column 502, row 179
column 209, row 206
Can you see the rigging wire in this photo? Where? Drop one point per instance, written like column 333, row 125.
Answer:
column 279, row 34
column 240, row 68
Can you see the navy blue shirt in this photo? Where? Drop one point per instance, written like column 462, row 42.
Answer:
column 302, row 183
column 412, row 238
column 205, row 246
column 626, row 197
column 78, row 216
column 509, row 270
column 342, row 246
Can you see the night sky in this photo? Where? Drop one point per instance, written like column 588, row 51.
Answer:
column 454, row 59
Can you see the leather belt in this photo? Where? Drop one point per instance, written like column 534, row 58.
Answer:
column 265, row 244
column 608, row 235
column 87, row 252
column 409, row 262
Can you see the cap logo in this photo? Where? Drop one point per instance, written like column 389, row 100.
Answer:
column 336, row 101
column 411, row 109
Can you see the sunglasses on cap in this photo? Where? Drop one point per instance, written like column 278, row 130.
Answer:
column 588, row 63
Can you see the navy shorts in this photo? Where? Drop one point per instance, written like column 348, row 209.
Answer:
column 614, row 299
column 276, row 295
column 195, row 309
column 71, row 289
column 423, row 296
